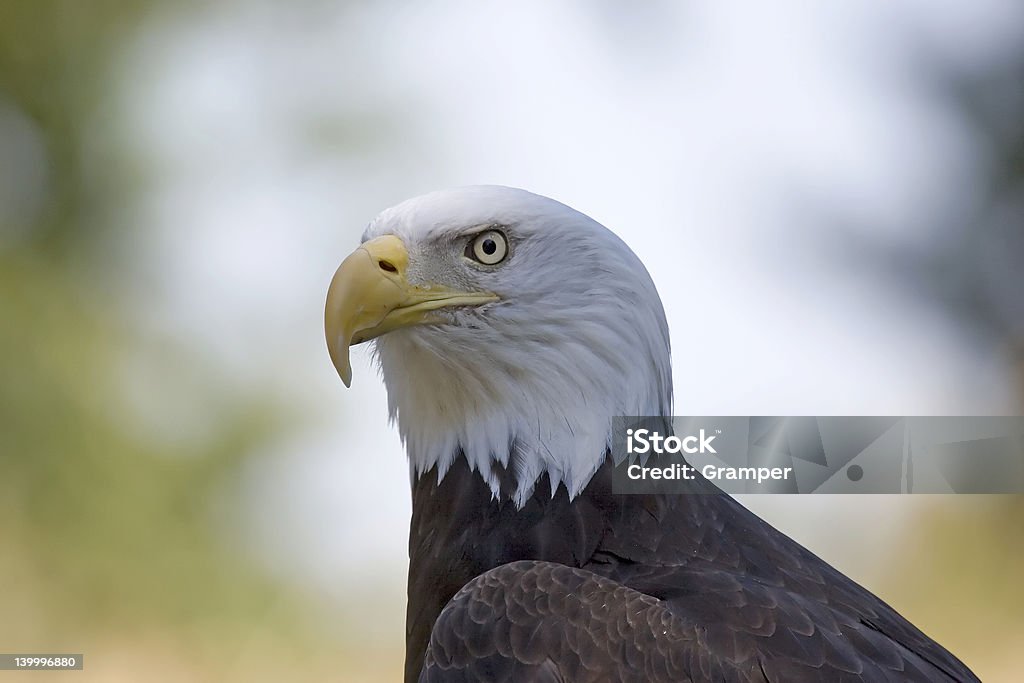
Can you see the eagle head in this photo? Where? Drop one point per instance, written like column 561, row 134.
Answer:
column 509, row 329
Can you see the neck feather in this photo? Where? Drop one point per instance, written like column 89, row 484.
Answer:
column 530, row 406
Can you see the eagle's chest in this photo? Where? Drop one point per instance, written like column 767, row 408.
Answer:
column 459, row 531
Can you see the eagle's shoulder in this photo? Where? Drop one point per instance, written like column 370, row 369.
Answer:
column 758, row 594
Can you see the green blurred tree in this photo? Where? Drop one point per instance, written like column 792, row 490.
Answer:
column 972, row 273
column 105, row 531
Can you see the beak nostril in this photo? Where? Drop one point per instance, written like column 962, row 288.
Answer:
column 387, row 265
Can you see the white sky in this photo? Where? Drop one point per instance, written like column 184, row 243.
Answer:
column 714, row 137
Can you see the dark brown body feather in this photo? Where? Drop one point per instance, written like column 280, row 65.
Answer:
column 636, row 588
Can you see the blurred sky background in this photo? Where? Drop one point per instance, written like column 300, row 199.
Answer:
column 829, row 197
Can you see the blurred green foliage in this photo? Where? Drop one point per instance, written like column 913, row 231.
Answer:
column 119, row 524
column 959, row 574
column 54, row 60
column 108, row 534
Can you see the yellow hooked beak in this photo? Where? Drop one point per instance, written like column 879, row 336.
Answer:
column 370, row 295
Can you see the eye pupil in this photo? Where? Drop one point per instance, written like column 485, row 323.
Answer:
column 489, row 246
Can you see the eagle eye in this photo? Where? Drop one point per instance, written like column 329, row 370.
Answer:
column 489, row 248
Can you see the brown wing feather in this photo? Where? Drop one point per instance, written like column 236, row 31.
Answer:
column 540, row 621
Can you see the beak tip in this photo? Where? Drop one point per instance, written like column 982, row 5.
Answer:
column 341, row 363
column 345, row 372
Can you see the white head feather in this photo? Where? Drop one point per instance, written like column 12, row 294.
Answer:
column 528, row 384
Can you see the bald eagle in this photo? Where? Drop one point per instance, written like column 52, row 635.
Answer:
column 510, row 330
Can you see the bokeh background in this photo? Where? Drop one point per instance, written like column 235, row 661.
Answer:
column 829, row 196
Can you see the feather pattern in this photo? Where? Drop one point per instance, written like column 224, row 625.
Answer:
column 637, row 588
